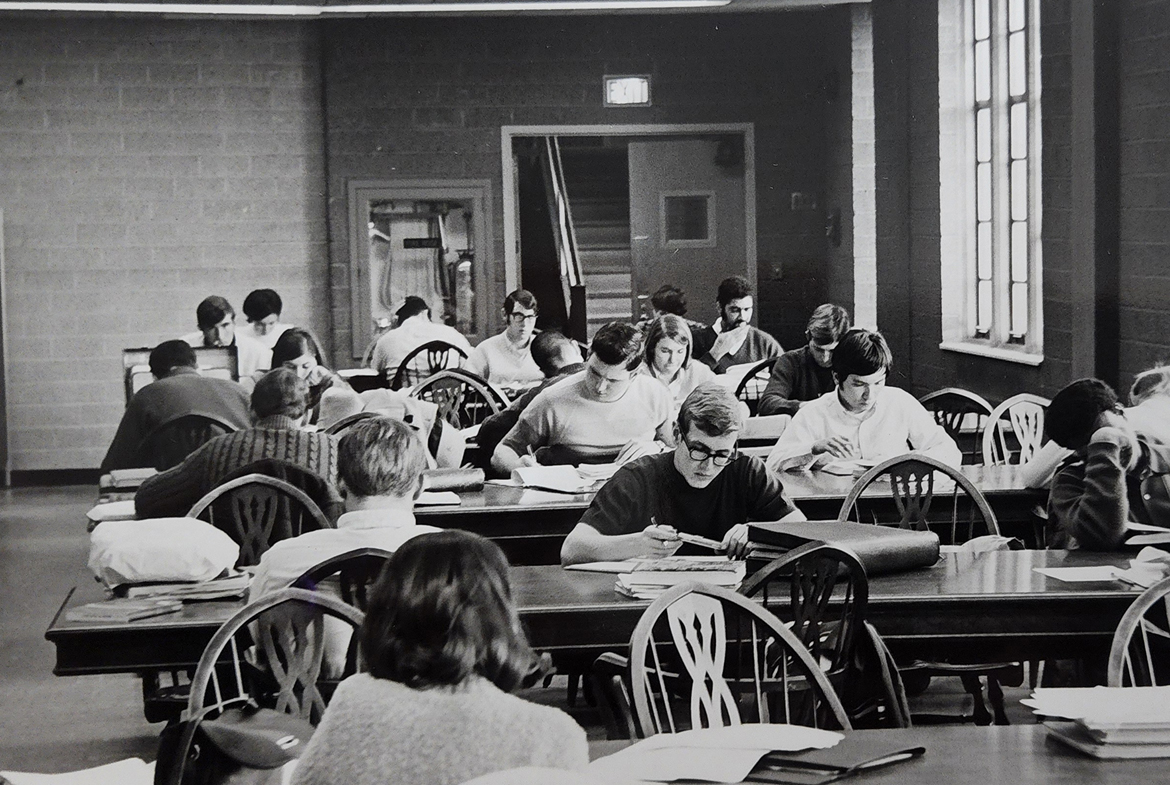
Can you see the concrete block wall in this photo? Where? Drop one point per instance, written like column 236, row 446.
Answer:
column 143, row 166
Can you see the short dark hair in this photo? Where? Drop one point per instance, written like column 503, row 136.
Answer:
column 411, row 306
column 169, row 355
column 669, row 299
column 827, row 323
column 861, row 352
column 293, row 343
column 734, row 288
column 668, row 326
column 618, row 343
column 1072, row 416
column 381, row 456
column 442, row 612
column 280, row 391
column 712, row 408
column 548, row 351
column 262, row 303
column 526, row 299
column 212, row 311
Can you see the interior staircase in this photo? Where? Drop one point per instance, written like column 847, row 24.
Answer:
column 597, row 182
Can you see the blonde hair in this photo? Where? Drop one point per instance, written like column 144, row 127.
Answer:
column 1147, row 384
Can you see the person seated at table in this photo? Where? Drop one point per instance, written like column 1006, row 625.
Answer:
column 178, row 389
column 557, row 356
column 861, row 418
column 805, row 374
column 605, row 413
column 279, row 404
column 217, row 327
column 506, row 359
column 670, row 299
column 262, row 309
column 704, row 486
column 443, row 649
column 330, row 396
column 732, row 339
column 413, row 328
column 668, row 358
column 1114, row 476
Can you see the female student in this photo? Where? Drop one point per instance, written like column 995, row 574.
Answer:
column 330, row 396
column 443, row 647
column 668, row 358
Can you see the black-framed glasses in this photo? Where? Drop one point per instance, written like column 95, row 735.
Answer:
column 516, row 316
column 700, row 453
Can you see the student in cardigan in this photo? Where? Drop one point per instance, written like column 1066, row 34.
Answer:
column 805, row 374
column 330, row 396
column 669, row 360
column 704, row 486
column 732, row 339
column 1115, row 474
column 861, row 418
column 262, row 309
column 506, row 359
column 217, row 327
column 443, row 649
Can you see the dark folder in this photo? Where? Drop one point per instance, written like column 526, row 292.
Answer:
column 881, row 549
column 856, row 753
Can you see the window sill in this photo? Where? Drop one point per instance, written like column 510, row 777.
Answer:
column 1021, row 356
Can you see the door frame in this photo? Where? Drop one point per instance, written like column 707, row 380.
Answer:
column 511, row 201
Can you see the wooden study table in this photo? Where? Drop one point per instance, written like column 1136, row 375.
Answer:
column 991, row 606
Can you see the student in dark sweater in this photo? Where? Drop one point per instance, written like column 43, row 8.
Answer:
column 806, row 374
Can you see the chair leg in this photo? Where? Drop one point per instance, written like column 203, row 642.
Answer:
column 974, row 687
column 995, row 698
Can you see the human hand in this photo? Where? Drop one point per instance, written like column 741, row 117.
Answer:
column 735, row 542
column 528, row 460
column 727, row 340
column 1124, row 439
column 660, row 541
column 837, row 446
column 317, row 375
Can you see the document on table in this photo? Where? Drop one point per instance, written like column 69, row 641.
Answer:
column 1150, row 535
column 1080, row 574
column 131, row 771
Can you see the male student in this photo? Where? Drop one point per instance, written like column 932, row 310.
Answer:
column 1115, row 475
column 805, row 374
column 732, row 339
column 262, row 309
column 704, row 486
column 604, row 413
column 413, row 328
column 178, row 389
column 861, row 418
column 217, row 327
column 506, row 359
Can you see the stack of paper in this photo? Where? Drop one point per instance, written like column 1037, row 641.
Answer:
column 563, row 479
column 128, row 478
column 225, row 588
column 648, row 578
column 112, row 511
column 123, row 610
column 1108, row 722
column 592, row 472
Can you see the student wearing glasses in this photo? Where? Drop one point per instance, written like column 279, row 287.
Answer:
column 506, row 359
column 705, row 486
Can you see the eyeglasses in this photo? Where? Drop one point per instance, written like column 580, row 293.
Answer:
column 700, row 453
column 522, row 317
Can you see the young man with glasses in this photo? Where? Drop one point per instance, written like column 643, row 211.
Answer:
column 506, row 359
column 705, row 486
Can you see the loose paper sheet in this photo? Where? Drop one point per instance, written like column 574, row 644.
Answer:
column 1079, row 574
column 131, row 771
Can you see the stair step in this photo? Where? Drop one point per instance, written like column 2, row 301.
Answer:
column 607, row 284
column 590, row 210
column 602, row 235
column 604, row 260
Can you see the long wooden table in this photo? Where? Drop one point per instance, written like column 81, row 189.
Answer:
column 963, row 608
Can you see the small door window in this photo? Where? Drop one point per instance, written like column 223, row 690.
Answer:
column 688, row 220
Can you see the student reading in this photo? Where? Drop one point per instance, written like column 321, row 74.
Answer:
column 704, row 486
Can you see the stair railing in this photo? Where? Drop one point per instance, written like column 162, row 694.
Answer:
column 564, row 233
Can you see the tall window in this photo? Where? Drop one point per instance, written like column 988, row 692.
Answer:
column 989, row 150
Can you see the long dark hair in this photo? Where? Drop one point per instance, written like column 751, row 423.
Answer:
column 296, row 342
column 442, row 612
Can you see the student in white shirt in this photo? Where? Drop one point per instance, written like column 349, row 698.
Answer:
column 262, row 309
column 861, row 418
column 217, row 327
column 414, row 328
column 506, row 359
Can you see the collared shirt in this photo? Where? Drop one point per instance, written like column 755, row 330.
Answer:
column 251, row 355
column 393, row 347
column 684, row 381
column 502, row 362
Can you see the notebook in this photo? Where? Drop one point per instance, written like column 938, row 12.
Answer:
column 881, row 549
column 855, row 753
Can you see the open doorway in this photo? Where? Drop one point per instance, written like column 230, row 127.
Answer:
column 649, row 205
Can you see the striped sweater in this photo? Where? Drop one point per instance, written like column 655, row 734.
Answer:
column 173, row 492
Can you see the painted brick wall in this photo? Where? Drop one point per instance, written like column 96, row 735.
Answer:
column 426, row 98
column 143, row 166
column 1145, row 186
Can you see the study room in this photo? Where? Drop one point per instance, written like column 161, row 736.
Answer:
column 636, row 391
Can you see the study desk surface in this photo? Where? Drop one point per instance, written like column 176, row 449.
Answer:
column 963, row 608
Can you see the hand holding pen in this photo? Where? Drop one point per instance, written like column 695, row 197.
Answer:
column 660, row 541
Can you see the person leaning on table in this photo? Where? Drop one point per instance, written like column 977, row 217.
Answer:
column 703, row 486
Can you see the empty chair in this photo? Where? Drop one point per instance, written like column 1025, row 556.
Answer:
column 257, row 510
column 752, row 385
column 464, row 399
column 1140, row 654
column 1015, row 430
column 355, row 572
column 172, row 441
column 963, row 415
column 424, row 361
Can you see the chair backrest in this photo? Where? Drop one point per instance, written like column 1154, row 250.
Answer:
column 339, row 428
column 1140, row 654
column 271, row 651
column 323, row 493
column 1015, row 430
column 464, row 398
column 424, row 361
column 752, row 385
column 963, row 415
column 172, row 441
column 216, row 361
column 257, row 510
column 730, row 659
column 828, row 592
column 356, row 571
column 913, row 479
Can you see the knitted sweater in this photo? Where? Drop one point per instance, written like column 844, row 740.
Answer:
column 172, row 492
column 796, row 377
column 377, row 732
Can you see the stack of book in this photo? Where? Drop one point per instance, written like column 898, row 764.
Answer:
column 648, row 578
column 1108, row 722
column 225, row 587
column 124, row 609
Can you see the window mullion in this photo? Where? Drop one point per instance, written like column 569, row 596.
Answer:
column 1001, row 158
